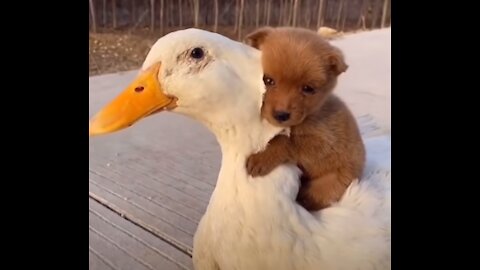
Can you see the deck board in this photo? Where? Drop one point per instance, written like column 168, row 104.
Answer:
column 143, row 216
column 157, row 194
column 116, row 243
column 98, row 261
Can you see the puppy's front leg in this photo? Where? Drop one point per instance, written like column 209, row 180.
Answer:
column 277, row 152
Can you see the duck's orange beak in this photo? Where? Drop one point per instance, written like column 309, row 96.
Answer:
column 143, row 97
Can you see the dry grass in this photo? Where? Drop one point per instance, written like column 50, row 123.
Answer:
column 113, row 52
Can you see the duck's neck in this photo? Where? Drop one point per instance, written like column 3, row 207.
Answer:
column 246, row 139
column 243, row 134
column 237, row 142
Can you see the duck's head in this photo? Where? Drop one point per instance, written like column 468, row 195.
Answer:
column 198, row 73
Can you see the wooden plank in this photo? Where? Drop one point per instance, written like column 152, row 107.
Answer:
column 116, row 243
column 167, row 227
column 96, row 261
column 119, row 258
column 190, row 155
column 171, row 217
column 152, row 176
column 152, row 191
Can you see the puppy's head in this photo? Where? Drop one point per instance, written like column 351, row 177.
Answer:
column 300, row 71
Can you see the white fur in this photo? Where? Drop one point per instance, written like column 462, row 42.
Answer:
column 255, row 223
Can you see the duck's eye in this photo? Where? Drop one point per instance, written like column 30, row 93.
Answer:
column 268, row 81
column 197, row 53
column 308, row 89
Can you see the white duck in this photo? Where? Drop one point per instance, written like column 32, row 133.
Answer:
column 250, row 223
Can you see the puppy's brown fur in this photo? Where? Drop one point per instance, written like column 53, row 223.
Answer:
column 301, row 71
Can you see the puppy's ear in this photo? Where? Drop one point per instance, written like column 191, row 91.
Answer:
column 256, row 38
column 337, row 61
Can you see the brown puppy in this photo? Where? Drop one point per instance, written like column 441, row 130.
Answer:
column 300, row 73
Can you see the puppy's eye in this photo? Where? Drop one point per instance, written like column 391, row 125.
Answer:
column 268, row 81
column 308, row 89
column 197, row 53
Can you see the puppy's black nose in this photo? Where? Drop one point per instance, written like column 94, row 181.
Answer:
column 281, row 116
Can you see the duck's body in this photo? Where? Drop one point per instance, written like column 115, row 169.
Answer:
column 254, row 223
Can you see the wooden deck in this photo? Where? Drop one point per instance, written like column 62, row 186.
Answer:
column 148, row 187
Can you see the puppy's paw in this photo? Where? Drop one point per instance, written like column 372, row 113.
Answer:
column 309, row 200
column 305, row 200
column 259, row 165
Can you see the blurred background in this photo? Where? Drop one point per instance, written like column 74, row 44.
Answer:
column 123, row 31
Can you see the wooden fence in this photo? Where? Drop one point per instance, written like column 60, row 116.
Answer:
column 162, row 15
